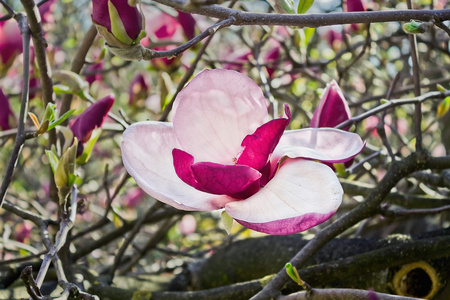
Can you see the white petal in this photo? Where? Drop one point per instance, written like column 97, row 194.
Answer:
column 323, row 144
column 147, row 156
column 214, row 113
column 302, row 194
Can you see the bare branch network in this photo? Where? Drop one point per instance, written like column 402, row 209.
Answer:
column 236, row 17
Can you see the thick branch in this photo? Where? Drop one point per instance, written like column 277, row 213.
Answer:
column 312, row 20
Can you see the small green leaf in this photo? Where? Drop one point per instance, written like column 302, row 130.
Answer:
column 61, row 89
column 52, row 159
column 441, row 88
column 72, row 80
column 166, row 87
column 340, row 169
column 443, row 107
column 227, row 221
column 49, row 112
column 68, row 137
column 415, row 27
column 61, row 119
column 284, row 6
column 66, row 167
column 43, row 128
column 292, row 273
column 304, row 5
column 89, row 146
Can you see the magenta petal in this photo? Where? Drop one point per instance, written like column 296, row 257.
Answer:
column 289, row 226
column 259, row 146
column 183, row 161
column 233, row 180
column 333, row 108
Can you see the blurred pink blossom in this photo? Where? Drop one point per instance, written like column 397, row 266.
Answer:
column 187, row 224
column 10, row 42
column 162, row 27
column 138, row 89
column 6, row 114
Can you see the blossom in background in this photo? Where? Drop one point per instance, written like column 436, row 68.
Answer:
column 118, row 22
column 333, row 108
column 6, row 114
column 46, row 11
column 10, row 43
column 133, row 197
column 354, row 5
column 222, row 152
column 90, row 119
column 270, row 58
column 334, row 38
column 138, row 90
column 95, row 76
column 164, row 28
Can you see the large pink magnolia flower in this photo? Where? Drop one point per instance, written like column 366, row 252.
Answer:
column 222, row 152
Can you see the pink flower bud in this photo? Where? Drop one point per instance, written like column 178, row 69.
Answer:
column 6, row 113
column 123, row 21
column 92, row 118
column 333, row 108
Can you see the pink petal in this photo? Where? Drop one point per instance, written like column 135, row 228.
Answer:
column 188, row 23
column 147, row 156
column 259, row 146
column 234, row 180
column 354, row 5
column 302, row 194
column 323, row 144
column 215, row 112
column 333, row 108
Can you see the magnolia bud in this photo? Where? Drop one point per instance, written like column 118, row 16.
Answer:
column 119, row 23
column 414, row 27
column 333, row 108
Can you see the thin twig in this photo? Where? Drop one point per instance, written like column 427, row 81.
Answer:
column 20, row 136
column 393, row 103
